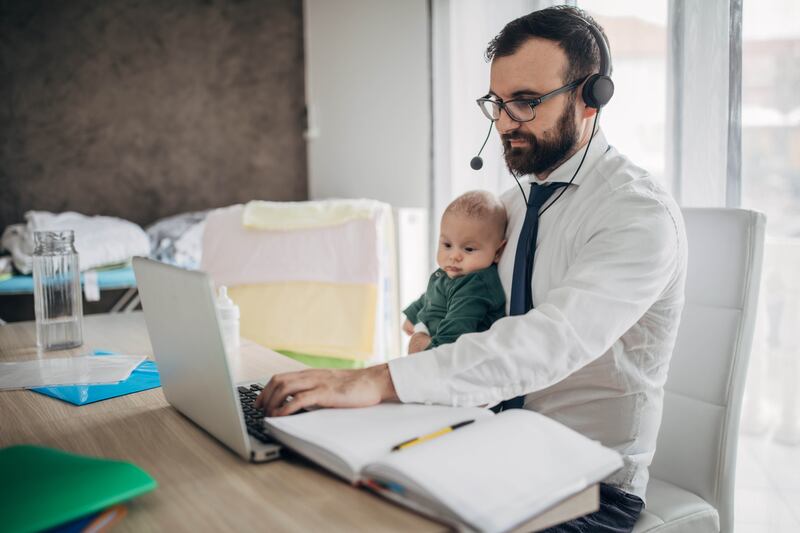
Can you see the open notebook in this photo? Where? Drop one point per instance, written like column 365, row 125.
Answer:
column 491, row 475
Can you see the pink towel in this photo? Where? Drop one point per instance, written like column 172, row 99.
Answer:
column 234, row 255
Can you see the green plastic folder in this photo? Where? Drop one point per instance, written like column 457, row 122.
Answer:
column 43, row 487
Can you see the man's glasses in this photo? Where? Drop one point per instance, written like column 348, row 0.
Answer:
column 520, row 109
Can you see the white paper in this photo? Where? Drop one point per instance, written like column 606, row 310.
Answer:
column 344, row 440
column 81, row 370
column 499, row 472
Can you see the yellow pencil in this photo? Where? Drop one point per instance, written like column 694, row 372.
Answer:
column 430, row 436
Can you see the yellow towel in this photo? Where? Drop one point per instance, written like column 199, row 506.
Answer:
column 326, row 319
column 262, row 215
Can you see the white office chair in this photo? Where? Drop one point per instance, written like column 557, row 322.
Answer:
column 692, row 476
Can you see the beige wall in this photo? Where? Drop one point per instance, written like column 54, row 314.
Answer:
column 369, row 98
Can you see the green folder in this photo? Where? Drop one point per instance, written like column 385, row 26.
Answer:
column 43, row 487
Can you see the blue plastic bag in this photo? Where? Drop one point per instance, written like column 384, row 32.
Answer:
column 144, row 377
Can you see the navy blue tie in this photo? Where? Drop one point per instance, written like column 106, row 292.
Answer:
column 521, row 294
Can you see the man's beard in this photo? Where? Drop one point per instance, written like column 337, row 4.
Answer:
column 542, row 155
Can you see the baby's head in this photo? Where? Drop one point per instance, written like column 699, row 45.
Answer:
column 472, row 233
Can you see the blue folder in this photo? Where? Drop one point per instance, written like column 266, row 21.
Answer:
column 144, row 377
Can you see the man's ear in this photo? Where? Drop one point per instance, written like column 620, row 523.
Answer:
column 499, row 251
column 588, row 112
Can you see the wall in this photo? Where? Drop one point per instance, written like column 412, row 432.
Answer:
column 368, row 92
column 147, row 109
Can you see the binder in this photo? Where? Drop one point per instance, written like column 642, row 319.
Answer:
column 44, row 487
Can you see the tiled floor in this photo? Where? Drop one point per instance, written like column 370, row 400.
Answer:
column 767, row 486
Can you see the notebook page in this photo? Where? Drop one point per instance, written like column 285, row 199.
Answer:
column 344, row 440
column 499, row 472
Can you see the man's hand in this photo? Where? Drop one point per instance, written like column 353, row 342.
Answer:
column 419, row 341
column 408, row 327
column 326, row 388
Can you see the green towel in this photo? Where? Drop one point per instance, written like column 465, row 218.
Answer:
column 320, row 361
column 43, row 487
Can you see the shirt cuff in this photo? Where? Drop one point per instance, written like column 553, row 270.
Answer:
column 420, row 327
column 415, row 379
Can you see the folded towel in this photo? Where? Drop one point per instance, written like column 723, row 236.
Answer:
column 309, row 277
column 327, row 319
column 99, row 240
column 264, row 215
column 233, row 255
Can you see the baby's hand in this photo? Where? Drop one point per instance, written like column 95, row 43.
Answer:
column 419, row 341
column 408, row 327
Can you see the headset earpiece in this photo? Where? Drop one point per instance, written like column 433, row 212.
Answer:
column 598, row 88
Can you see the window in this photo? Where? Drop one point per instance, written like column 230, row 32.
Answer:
column 635, row 118
column 771, row 184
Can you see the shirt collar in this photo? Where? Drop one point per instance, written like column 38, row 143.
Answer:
column 564, row 173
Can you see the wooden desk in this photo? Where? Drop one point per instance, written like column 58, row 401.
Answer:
column 202, row 485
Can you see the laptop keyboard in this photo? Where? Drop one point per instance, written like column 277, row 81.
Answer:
column 253, row 418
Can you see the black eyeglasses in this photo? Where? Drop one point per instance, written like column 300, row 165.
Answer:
column 520, row 109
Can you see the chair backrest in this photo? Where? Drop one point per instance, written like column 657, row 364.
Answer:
column 703, row 394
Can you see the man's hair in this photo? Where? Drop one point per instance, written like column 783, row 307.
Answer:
column 481, row 205
column 566, row 26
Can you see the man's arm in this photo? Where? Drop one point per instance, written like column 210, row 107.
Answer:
column 326, row 388
column 616, row 277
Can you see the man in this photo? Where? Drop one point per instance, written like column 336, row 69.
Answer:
column 607, row 284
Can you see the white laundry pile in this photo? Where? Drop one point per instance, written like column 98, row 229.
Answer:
column 99, row 240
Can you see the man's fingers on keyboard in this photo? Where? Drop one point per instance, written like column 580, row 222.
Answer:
column 286, row 389
column 278, row 387
column 299, row 401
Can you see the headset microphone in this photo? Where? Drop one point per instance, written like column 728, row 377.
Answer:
column 476, row 162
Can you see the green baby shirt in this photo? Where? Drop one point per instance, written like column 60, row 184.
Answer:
column 454, row 306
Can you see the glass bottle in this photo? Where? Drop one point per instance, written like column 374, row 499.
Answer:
column 57, row 291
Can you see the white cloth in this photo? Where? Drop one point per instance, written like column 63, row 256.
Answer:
column 178, row 239
column 99, row 241
column 235, row 255
column 593, row 354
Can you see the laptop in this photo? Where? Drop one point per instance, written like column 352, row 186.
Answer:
column 182, row 320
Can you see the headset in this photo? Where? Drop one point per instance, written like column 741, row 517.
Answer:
column 598, row 88
column 597, row 91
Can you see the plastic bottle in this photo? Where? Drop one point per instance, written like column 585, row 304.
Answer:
column 229, row 321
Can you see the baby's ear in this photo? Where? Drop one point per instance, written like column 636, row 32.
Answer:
column 499, row 251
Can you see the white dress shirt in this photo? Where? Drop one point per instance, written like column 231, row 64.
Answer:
column 593, row 353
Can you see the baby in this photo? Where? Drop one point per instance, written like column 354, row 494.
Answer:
column 464, row 295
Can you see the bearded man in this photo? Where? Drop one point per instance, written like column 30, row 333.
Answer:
column 594, row 274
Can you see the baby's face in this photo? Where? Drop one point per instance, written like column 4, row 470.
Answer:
column 467, row 244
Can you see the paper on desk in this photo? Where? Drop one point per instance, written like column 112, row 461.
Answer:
column 82, row 370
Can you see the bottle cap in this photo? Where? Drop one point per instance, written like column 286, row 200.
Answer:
column 227, row 309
